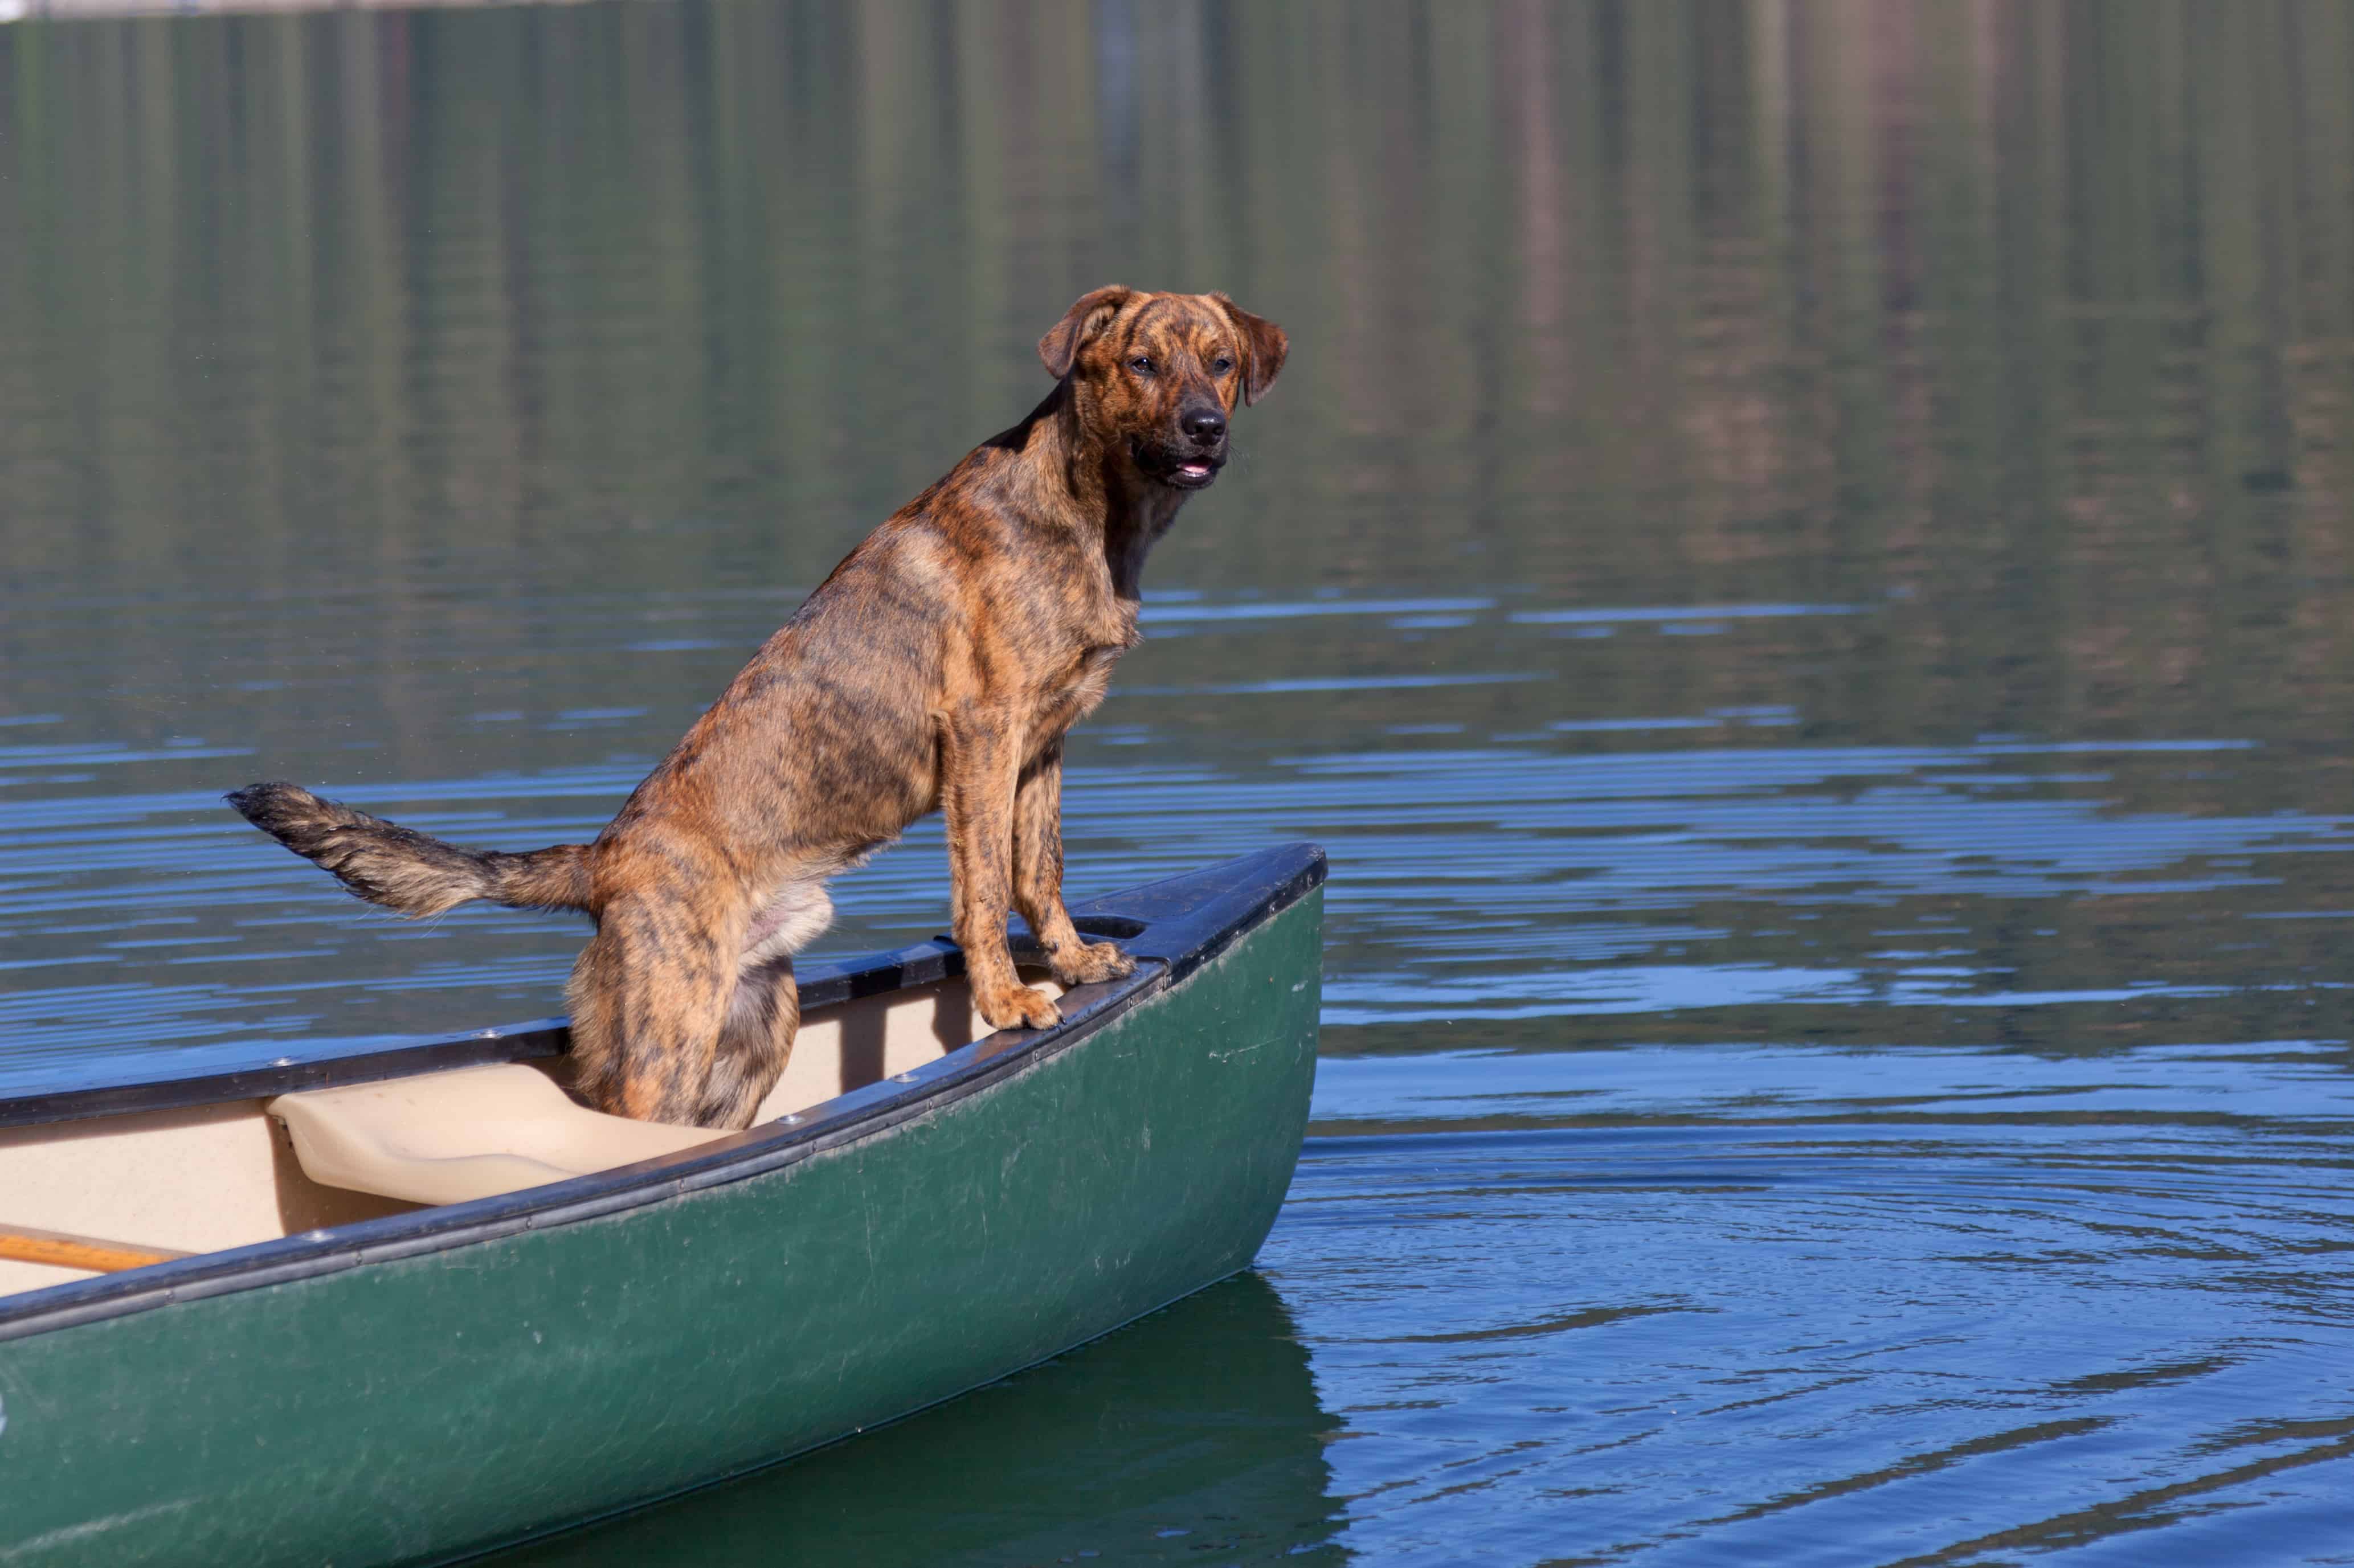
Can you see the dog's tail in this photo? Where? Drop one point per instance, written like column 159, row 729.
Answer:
column 402, row 869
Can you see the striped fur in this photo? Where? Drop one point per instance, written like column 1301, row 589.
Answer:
column 939, row 668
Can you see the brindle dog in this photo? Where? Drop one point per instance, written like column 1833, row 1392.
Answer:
column 940, row 665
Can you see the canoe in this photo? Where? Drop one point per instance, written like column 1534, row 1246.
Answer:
column 414, row 1305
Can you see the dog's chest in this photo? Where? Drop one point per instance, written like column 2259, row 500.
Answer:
column 1074, row 691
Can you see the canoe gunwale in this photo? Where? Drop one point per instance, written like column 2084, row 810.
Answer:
column 1193, row 918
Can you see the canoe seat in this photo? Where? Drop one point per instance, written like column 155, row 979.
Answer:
column 472, row 1132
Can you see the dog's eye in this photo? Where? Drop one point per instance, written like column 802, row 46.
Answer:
column 1220, row 365
column 1142, row 364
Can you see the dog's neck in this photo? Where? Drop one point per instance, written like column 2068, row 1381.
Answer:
column 1084, row 483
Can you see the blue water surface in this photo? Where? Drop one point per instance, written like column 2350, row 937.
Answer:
column 1800, row 566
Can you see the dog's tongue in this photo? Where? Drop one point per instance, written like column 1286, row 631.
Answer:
column 1194, row 470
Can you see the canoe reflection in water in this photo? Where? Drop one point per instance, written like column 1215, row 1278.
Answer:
column 1196, row 1431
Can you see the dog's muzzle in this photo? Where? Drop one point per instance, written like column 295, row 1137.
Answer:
column 1186, row 466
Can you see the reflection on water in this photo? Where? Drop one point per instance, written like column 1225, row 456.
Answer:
column 1801, row 566
column 1200, row 1436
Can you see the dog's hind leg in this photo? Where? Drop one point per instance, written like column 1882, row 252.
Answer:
column 754, row 1044
column 650, row 996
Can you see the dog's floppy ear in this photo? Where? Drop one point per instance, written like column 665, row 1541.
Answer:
column 1059, row 349
column 1264, row 347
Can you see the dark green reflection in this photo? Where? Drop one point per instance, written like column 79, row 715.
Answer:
column 1198, row 1428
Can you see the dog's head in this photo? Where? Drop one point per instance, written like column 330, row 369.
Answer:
column 1157, row 377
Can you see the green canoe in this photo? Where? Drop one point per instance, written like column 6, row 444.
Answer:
column 245, row 1322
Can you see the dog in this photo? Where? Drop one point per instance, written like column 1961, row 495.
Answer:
column 939, row 666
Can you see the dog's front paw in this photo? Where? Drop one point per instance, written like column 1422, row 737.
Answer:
column 1089, row 962
column 1019, row 1007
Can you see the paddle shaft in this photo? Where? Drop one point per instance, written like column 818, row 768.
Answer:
column 21, row 1244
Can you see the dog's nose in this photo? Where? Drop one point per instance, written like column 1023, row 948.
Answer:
column 1205, row 425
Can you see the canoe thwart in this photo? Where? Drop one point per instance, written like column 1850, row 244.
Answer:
column 63, row 1249
column 472, row 1132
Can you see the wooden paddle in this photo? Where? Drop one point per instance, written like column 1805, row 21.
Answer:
column 22, row 1244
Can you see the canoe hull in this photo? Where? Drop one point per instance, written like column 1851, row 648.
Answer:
column 418, row 1408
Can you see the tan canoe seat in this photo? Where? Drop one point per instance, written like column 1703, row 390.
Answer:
column 473, row 1132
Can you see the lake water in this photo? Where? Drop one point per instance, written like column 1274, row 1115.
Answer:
column 1802, row 568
